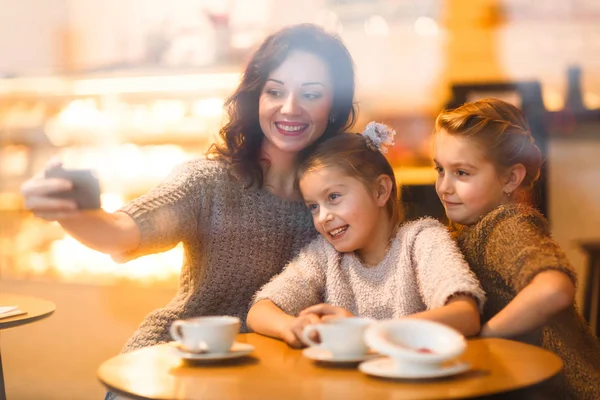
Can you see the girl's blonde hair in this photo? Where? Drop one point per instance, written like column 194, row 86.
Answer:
column 358, row 158
column 500, row 130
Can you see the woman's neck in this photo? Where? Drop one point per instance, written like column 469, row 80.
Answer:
column 279, row 172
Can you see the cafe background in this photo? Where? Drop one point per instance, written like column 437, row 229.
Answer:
column 132, row 88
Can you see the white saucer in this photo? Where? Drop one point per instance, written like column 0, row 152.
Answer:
column 320, row 354
column 237, row 350
column 385, row 368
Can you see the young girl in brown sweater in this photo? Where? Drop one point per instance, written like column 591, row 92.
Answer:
column 487, row 163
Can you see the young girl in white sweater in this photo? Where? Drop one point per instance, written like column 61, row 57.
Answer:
column 365, row 263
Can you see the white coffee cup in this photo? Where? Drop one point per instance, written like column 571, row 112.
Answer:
column 343, row 337
column 214, row 334
column 404, row 340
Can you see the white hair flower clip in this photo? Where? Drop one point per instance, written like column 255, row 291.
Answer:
column 379, row 136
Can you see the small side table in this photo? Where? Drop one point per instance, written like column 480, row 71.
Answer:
column 36, row 309
column 591, row 305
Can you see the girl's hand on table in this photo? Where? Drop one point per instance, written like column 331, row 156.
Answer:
column 327, row 312
column 294, row 335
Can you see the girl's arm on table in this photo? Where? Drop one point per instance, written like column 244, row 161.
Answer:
column 535, row 267
column 300, row 285
column 449, row 289
column 461, row 312
column 549, row 293
column 267, row 319
column 327, row 312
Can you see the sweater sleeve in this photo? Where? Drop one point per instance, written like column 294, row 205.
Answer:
column 168, row 214
column 441, row 268
column 520, row 246
column 301, row 283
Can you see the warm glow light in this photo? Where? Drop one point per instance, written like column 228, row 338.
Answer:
column 553, row 100
column 329, row 21
column 45, row 85
column 159, row 161
column 377, row 26
column 141, row 84
column 415, row 176
column 14, row 160
column 591, row 100
column 243, row 40
column 140, row 116
column 167, row 111
column 83, row 113
column 111, row 202
column 96, row 132
column 176, row 83
column 66, row 259
column 129, row 165
column 81, row 117
column 74, row 261
column 426, row 26
column 21, row 115
column 209, row 107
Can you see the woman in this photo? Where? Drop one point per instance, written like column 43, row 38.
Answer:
column 238, row 213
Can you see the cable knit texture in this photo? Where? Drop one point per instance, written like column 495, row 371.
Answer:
column 506, row 249
column 421, row 270
column 235, row 239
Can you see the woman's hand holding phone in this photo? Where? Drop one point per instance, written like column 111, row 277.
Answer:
column 59, row 193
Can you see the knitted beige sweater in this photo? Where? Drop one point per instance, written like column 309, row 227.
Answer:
column 235, row 240
column 420, row 271
column 506, row 249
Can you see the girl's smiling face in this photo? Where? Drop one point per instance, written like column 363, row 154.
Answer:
column 346, row 212
column 468, row 184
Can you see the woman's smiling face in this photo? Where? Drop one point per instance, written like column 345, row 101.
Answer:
column 295, row 103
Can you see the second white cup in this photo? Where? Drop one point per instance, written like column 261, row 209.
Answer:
column 343, row 337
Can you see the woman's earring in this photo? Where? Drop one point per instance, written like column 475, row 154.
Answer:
column 508, row 193
column 331, row 119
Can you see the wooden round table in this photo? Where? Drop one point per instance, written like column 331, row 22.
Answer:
column 36, row 309
column 275, row 371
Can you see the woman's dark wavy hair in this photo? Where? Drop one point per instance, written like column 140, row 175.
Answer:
column 242, row 136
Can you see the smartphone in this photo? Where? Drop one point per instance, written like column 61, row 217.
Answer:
column 86, row 186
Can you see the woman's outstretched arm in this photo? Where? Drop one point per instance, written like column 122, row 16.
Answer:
column 102, row 231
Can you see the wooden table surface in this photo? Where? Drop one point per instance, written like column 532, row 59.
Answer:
column 36, row 309
column 274, row 371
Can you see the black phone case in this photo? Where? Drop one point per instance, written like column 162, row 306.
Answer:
column 86, row 187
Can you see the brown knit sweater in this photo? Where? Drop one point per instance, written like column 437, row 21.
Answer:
column 235, row 239
column 506, row 249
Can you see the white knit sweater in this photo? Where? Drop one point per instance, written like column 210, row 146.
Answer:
column 421, row 270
